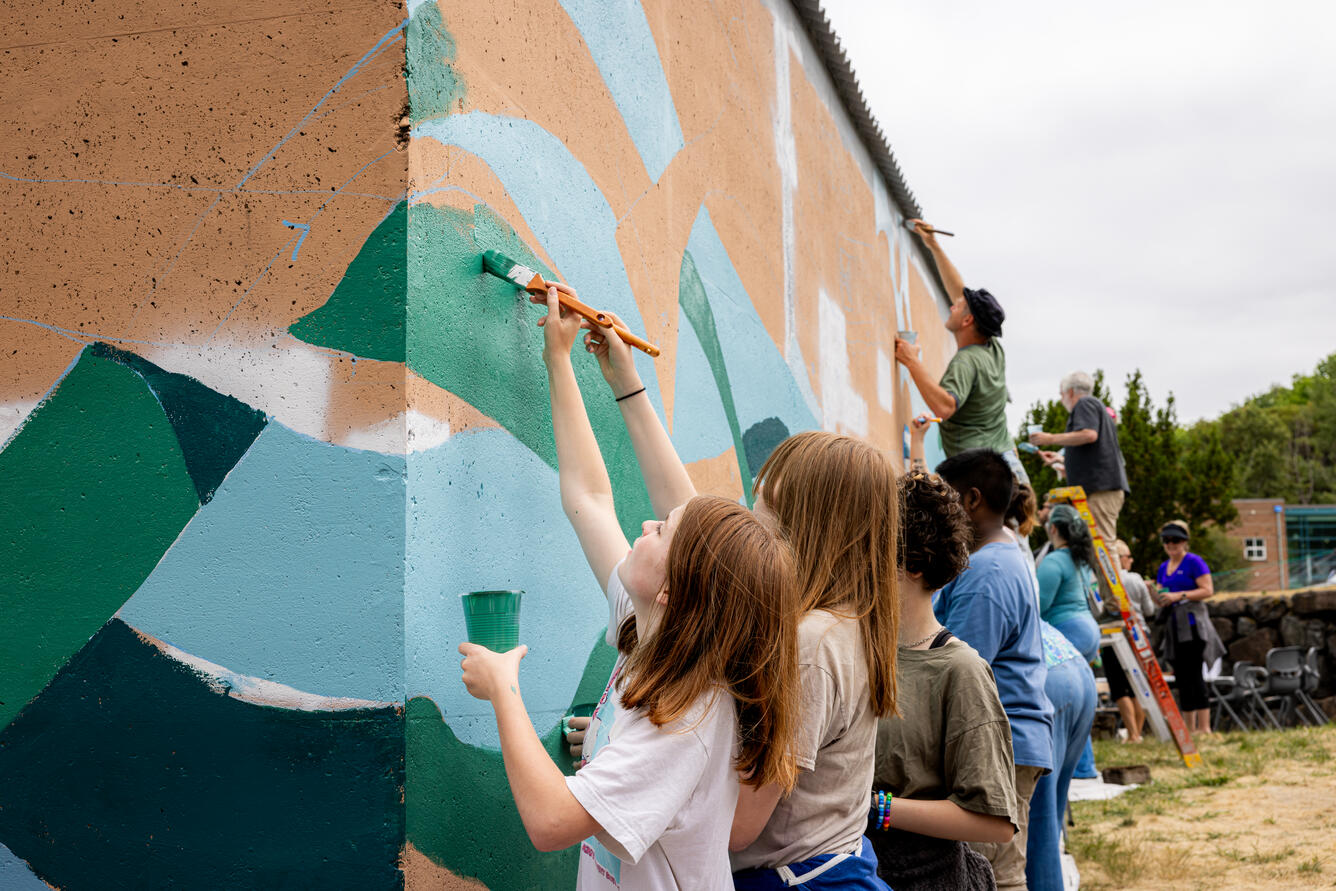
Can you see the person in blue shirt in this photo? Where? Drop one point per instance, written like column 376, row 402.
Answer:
column 992, row 607
column 1065, row 574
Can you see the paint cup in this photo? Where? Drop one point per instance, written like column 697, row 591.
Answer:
column 1033, row 429
column 493, row 618
column 582, row 710
column 907, row 336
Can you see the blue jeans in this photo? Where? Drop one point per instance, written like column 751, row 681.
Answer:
column 1071, row 688
column 855, row 871
column 1083, row 632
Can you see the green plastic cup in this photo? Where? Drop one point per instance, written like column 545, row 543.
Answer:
column 582, row 710
column 493, row 618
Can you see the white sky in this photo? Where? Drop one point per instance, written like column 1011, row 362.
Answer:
column 1141, row 184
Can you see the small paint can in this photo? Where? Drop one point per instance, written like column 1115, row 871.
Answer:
column 907, row 336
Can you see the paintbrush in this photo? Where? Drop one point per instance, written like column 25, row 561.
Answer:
column 909, row 224
column 501, row 266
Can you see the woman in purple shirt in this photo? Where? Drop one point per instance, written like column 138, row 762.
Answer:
column 1184, row 584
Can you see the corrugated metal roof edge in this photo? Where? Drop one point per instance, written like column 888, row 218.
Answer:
column 827, row 44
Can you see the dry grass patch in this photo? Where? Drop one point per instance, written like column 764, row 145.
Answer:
column 1260, row 813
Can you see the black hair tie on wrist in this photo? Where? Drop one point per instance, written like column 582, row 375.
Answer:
column 629, row 395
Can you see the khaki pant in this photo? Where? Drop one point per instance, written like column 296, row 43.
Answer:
column 1009, row 860
column 1104, row 507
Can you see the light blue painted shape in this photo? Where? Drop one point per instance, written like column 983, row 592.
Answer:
column 16, row 875
column 293, row 572
column 485, row 513
column 622, row 46
column 763, row 384
column 700, row 425
column 305, row 229
column 414, row 4
column 562, row 206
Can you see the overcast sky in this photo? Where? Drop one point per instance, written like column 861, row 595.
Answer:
column 1142, row 185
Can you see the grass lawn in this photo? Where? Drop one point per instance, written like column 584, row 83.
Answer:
column 1261, row 813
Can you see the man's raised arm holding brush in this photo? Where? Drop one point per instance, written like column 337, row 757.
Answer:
column 971, row 397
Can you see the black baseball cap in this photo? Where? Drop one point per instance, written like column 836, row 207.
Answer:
column 987, row 312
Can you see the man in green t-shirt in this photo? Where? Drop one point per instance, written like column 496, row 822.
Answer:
column 971, row 398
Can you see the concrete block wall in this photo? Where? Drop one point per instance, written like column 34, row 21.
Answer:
column 263, row 418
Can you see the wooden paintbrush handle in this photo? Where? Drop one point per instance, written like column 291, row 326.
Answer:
column 569, row 301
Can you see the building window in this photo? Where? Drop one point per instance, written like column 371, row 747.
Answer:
column 1254, row 548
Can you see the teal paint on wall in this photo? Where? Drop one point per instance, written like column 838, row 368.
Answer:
column 293, row 573
column 696, row 307
column 460, row 810
column 165, row 781
column 93, row 489
column 365, row 314
column 435, row 86
column 485, row 513
column 212, row 430
column 477, row 336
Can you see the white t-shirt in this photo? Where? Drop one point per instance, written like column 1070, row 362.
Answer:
column 664, row 796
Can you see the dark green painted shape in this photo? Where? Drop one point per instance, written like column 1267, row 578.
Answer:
column 760, row 440
column 93, row 490
column 460, row 809
column 130, row 771
column 434, row 83
column 477, row 336
column 213, row 430
column 365, row 314
column 696, row 306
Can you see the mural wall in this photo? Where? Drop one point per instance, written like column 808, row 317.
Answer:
column 263, row 418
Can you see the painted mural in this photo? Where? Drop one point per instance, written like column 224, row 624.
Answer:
column 263, row 418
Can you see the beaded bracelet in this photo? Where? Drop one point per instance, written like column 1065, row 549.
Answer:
column 882, row 802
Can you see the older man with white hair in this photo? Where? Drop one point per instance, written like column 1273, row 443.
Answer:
column 1092, row 456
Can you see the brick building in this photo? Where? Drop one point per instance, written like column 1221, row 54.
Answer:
column 1260, row 532
column 1286, row 545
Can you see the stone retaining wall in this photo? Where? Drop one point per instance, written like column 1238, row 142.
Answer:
column 1250, row 625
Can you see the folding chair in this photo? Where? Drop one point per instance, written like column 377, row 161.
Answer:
column 1239, row 698
column 1311, row 680
column 1284, row 683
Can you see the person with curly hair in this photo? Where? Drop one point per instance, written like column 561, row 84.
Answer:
column 946, row 760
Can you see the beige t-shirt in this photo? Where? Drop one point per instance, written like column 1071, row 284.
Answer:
column 827, row 811
column 951, row 739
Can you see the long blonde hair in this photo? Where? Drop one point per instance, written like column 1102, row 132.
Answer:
column 836, row 500
column 730, row 620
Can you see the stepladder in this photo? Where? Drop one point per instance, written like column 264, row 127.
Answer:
column 1135, row 638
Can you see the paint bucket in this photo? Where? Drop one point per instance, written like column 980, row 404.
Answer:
column 907, row 336
column 493, row 618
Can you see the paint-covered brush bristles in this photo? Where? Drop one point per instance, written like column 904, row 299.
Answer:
column 501, row 266
column 909, row 224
